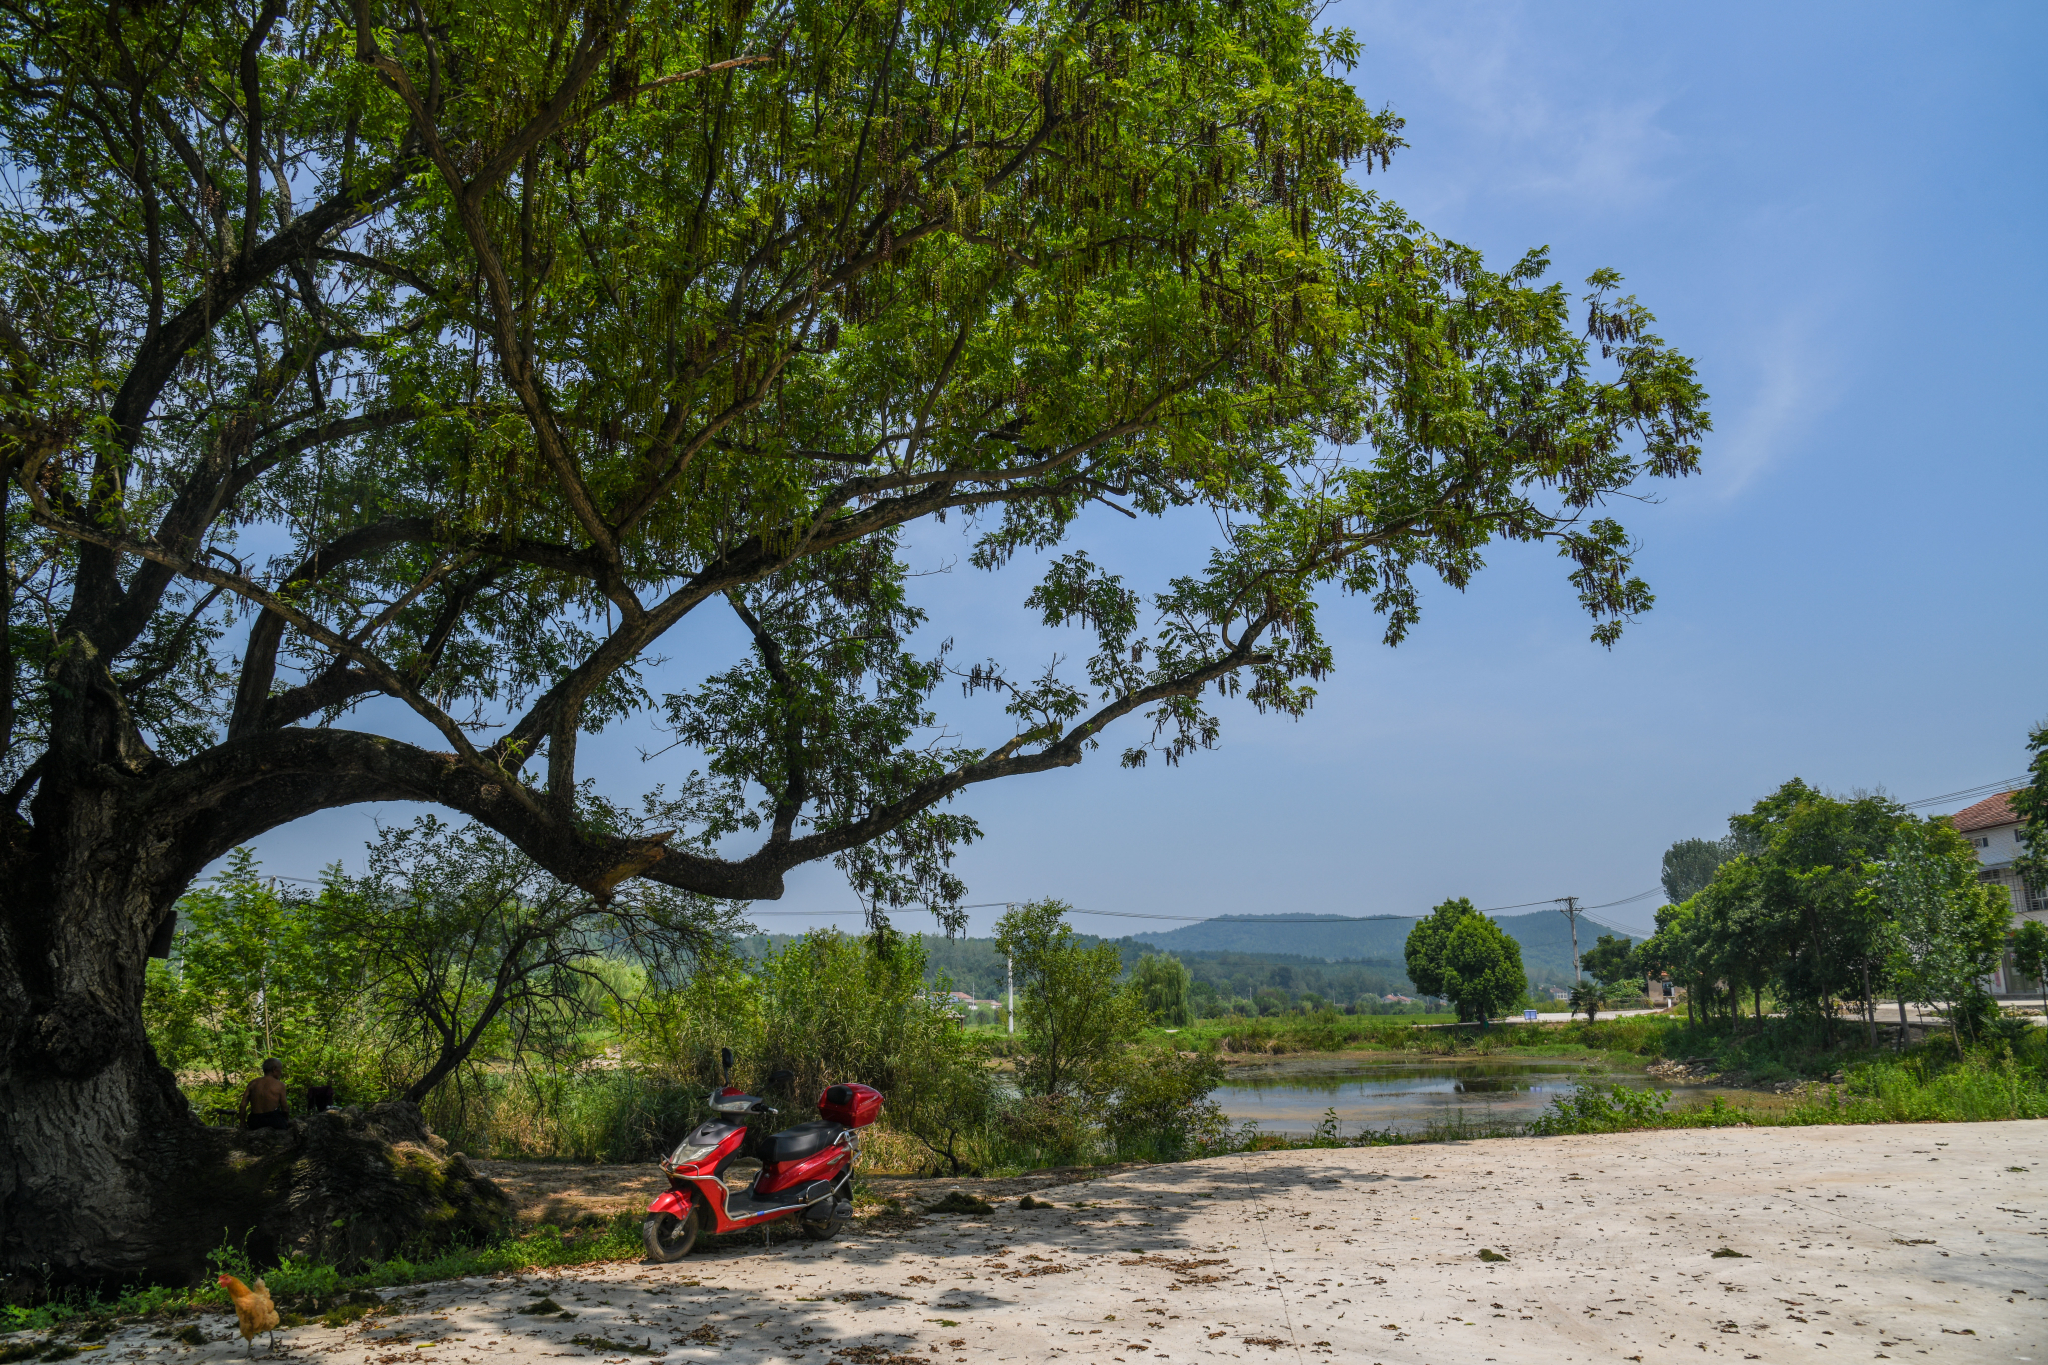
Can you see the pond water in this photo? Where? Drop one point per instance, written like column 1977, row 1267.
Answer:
column 1291, row 1094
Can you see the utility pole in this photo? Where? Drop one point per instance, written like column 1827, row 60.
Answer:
column 1010, row 985
column 1571, row 912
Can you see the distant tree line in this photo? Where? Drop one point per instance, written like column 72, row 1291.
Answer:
column 1219, row 982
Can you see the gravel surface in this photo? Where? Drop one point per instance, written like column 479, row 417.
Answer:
column 1867, row 1243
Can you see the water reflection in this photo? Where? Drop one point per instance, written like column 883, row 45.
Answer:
column 1291, row 1095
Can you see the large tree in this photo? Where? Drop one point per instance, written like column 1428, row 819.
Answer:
column 384, row 383
column 1482, row 969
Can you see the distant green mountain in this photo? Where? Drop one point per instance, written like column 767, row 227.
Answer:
column 1241, row 955
column 1545, row 937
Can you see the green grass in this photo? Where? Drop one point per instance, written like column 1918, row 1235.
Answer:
column 1281, row 1033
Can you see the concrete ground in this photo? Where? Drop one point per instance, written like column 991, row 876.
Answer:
column 1869, row 1243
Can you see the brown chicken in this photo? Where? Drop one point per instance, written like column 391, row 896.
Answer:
column 254, row 1312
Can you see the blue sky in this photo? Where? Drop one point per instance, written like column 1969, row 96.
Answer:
column 1838, row 211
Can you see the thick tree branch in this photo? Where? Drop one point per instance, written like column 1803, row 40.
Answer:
column 259, row 659
column 263, row 597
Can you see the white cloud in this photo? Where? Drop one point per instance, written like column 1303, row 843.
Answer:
column 1793, row 378
column 1536, row 118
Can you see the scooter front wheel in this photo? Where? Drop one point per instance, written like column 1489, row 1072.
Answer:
column 670, row 1238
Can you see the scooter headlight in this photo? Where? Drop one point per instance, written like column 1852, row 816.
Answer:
column 690, row 1152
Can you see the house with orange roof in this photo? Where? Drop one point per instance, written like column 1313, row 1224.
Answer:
column 1993, row 829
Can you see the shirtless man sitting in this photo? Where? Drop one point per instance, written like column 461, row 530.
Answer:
column 263, row 1103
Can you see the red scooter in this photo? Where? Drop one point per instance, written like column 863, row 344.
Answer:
column 723, row 1178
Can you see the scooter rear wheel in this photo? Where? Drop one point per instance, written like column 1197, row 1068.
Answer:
column 670, row 1238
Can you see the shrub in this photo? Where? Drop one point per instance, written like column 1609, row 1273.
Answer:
column 1159, row 1105
column 1601, row 1109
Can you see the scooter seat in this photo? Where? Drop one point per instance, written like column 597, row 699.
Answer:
column 806, row 1139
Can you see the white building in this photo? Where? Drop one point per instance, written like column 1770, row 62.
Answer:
column 1993, row 830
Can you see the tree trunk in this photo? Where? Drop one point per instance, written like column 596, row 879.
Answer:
column 1869, row 1009
column 88, row 1120
column 106, row 1175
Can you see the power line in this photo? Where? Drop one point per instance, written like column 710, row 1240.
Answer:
column 1981, row 789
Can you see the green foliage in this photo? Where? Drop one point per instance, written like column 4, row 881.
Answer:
column 1601, row 1109
column 1071, row 1009
column 2030, row 954
column 705, row 310
column 453, row 972
column 1946, row 929
column 2030, row 804
column 1610, row 960
column 470, row 952
column 1482, row 968
column 1429, row 940
column 254, row 973
column 1156, row 1102
column 1977, row 1088
column 1162, row 985
column 1690, row 864
column 1789, row 912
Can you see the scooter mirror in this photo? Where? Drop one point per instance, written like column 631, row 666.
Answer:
column 781, row 1076
column 725, row 1059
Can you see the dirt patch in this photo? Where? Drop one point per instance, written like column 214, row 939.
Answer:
column 1768, row 1243
column 567, row 1193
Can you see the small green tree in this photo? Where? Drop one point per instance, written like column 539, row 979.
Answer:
column 1075, row 1015
column 1482, row 968
column 251, row 974
column 1427, row 942
column 1156, row 1101
column 1671, row 949
column 2030, row 955
column 1610, row 959
column 1946, row 929
column 1163, row 986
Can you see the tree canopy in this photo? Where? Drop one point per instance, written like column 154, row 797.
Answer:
column 1482, row 969
column 1689, row 865
column 1611, row 959
column 1945, row 929
column 1424, row 949
column 1461, row 955
column 453, row 355
column 1162, row 984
